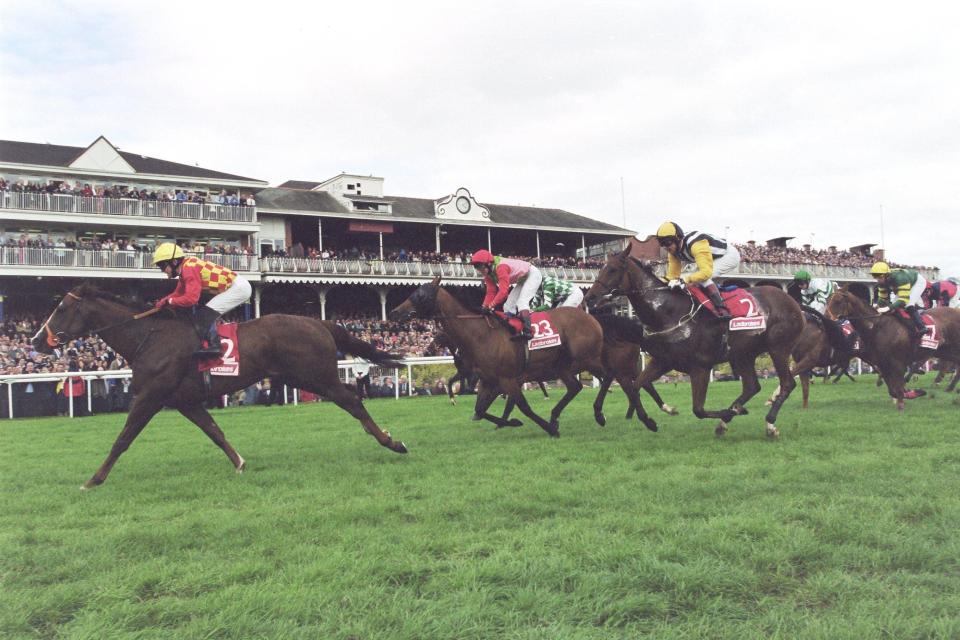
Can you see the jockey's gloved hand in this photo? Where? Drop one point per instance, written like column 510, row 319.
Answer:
column 161, row 302
column 675, row 284
column 487, row 311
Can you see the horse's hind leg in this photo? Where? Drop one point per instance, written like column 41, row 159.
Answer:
column 805, row 388
column 202, row 418
column 605, row 383
column 781, row 363
column 143, row 408
column 956, row 378
column 349, row 402
column 486, row 394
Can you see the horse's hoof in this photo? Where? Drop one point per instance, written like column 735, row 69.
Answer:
column 398, row 447
column 601, row 419
column 669, row 410
column 651, row 425
column 721, row 429
column 476, row 418
column 513, row 422
column 740, row 410
column 772, row 431
column 242, row 466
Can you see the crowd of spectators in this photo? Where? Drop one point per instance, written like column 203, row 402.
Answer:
column 433, row 257
column 411, row 339
column 128, row 192
column 103, row 243
column 752, row 252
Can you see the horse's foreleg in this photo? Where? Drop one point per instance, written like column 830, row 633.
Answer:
column 956, row 377
column 699, row 381
column 202, row 418
column 344, row 398
column 486, row 395
column 652, row 372
column 511, row 387
column 543, row 387
column 143, row 408
column 749, row 385
column 652, row 392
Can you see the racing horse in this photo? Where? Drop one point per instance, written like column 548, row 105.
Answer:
column 681, row 335
column 891, row 342
column 159, row 347
column 502, row 362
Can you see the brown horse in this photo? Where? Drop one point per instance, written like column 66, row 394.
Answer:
column 159, row 348
column 502, row 364
column 685, row 337
column 943, row 368
column 890, row 341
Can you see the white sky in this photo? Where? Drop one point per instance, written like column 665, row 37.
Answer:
column 763, row 118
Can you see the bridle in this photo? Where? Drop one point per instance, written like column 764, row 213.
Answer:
column 55, row 339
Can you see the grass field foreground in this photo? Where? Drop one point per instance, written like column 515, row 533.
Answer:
column 844, row 528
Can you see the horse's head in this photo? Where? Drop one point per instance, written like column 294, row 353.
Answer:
column 612, row 281
column 842, row 303
column 69, row 319
column 422, row 302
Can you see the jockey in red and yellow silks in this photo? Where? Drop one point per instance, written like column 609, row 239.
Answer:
column 196, row 276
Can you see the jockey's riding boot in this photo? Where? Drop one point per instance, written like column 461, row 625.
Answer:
column 527, row 331
column 917, row 320
column 207, row 319
column 713, row 292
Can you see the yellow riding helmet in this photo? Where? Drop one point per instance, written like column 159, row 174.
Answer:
column 167, row 251
column 668, row 230
column 879, row 268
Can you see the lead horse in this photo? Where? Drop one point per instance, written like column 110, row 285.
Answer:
column 159, row 348
column 681, row 335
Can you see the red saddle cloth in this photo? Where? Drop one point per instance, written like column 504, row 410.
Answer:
column 228, row 364
column 740, row 302
column 931, row 338
column 544, row 333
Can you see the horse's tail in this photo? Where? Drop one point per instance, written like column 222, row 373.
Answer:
column 348, row 343
column 621, row 328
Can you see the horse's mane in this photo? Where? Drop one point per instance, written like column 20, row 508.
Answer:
column 90, row 290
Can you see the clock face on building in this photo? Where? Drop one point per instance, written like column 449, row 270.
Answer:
column 463, row 204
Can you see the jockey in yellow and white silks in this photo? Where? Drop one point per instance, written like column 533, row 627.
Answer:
column 713, row 257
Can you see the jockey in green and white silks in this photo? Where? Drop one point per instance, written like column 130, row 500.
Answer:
column 556, row 292
column 814, row 292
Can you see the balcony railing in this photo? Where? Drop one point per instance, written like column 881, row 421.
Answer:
column 55, row 258
column 400, row 269
column 58, row 203
column 109, row 259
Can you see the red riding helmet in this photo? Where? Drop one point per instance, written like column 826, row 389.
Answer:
column 482, row 257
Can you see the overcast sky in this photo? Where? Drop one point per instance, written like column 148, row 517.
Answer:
column 748, row 118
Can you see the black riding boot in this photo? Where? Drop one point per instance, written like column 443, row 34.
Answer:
column 527, row 331
column 714, row 294
column 917, row 320
column 207, row 321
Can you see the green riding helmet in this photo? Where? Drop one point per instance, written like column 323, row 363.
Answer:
column 802, row 276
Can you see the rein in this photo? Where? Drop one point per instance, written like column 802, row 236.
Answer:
column 684, row 319
column 53, row 339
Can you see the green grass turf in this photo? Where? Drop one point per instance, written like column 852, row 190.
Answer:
column 844, row 528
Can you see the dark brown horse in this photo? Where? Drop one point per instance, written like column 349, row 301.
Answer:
column 502, row 364
column 943, row 368
column 682, row 335
column 159, row 348
column 890, row 342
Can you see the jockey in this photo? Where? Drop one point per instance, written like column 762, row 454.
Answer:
column 900, row 288
column 556, row 292
column 713, row 257
column 943, row 293
column 197, row 276
column 498, row 274
column 814, row 293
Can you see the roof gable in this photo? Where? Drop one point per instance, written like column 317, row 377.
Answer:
column 102, row 156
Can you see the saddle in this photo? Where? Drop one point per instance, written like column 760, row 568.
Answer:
column 544, row 333
column 929, row 339
column 745, row 310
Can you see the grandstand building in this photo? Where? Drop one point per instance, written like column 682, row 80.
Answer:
column 327, row 248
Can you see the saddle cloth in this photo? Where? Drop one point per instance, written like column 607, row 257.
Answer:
column 228, row 364
column 744, row 308
column 544, row 333
column 931, row 338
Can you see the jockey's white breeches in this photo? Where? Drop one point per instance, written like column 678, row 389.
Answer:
column 727, row 263
column 523, row 292
column 235, row 295
column 574, row 299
